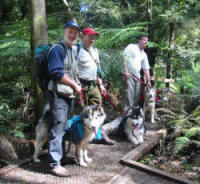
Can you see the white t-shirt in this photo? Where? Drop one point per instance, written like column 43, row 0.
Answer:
column 135, row 59
column 88, row 60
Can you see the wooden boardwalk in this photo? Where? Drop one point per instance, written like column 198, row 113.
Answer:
column 105, row 168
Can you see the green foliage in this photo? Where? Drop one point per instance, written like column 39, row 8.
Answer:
column 7, row 117
column 14, row 40
column 13, row 10
column 188, row 126
column 99, row 13
column 112, row 41
column 180, row 143
column 191, row 132
column 111, row 62
column 147, row 158
column 15, row 76
column 5, row 113
column 120, row 37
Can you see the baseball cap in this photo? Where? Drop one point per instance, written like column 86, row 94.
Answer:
column 72, row 24
column 89, row 31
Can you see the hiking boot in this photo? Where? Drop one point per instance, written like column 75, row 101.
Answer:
column 60, row 171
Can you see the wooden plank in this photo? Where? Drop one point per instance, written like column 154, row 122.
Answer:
column 158, row 172
column 120, row 177
column 139, row 151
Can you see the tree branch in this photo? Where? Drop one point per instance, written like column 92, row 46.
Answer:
column 66, row 4
column 69, row 10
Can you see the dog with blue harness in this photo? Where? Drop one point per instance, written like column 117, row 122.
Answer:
column 79, row 129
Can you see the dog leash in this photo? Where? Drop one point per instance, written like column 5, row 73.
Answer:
column 112, row 104
column 81, row 99
column 140, row 80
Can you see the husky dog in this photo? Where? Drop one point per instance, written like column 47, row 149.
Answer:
column 133, row 127
column 93, row 118
column 149, row 104
column 41, row 132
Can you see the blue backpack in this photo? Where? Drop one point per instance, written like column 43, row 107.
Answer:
column 41, row 64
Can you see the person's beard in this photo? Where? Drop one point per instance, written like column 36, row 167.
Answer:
column 66, row 39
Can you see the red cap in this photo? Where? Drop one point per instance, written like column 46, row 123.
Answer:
column 89, row 31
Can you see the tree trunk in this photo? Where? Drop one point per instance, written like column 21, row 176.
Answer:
column 151, row 52
column 39, row 35
column 182, row 89
column 149, row 9
column 171, row 48
column 125, row 16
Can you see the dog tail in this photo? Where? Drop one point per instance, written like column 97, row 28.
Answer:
column 46, row 110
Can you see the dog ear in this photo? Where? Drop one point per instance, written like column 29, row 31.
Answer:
column 87, row 111
column 100, row 108
column 147, row 88
column 135, row 110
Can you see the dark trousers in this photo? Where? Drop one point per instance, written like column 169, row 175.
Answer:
column 60, row 108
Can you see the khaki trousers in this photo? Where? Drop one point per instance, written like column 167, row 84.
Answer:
column 131, row 92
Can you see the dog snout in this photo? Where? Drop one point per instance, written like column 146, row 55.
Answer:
column 101, row 114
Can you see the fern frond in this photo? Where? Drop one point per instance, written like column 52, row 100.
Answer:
column 180, row 143
column 191, row 132
column 165, row 110
column 196, row 112
column 119, row 37
column 168, row 117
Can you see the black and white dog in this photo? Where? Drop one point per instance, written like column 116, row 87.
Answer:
column 92, row 118
column 132, row 126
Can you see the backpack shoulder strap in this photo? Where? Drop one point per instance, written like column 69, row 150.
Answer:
column 78, row 48
column 61, row 44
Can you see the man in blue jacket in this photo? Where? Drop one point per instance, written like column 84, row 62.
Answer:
column 63, row 73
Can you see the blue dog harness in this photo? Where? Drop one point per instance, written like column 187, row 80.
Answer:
column 75, row 125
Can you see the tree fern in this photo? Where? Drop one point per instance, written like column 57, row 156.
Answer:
column 180, row 143
column 192, row 132
column 119, row 37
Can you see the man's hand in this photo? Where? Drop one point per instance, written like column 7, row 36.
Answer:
column 66, row 80
column 77, row 89
column 102, row 89
column 149, row 83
